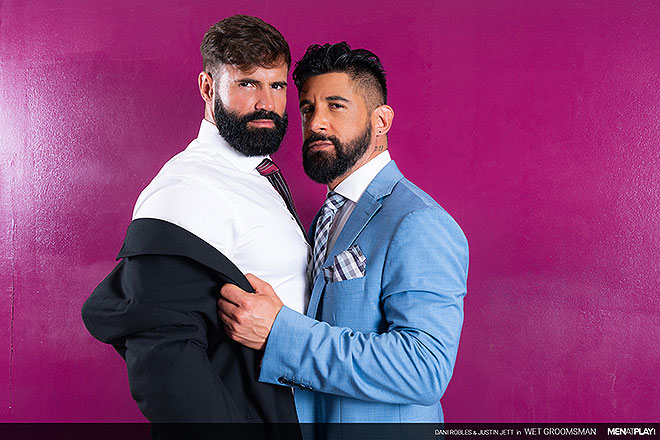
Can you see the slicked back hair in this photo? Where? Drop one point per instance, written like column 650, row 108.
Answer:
column 245, row 42
column 363, row 66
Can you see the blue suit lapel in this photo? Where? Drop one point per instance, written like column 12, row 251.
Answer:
column 366, row 208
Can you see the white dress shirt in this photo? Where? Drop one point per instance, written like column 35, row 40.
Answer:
column 216, row 193
column 352, row 189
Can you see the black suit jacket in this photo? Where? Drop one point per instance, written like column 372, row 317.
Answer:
column 158, row 309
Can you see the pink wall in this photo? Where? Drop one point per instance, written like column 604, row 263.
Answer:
column 535, row 124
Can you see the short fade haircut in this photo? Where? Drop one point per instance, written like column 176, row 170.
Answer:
column 245, row 42
column 363, row 66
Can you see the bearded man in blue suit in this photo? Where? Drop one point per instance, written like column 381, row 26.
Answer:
column 379, row 340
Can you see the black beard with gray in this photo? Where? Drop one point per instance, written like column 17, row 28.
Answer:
column 250, row 141
column 323, row 166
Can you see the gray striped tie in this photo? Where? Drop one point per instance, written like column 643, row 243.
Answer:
column 332, row 204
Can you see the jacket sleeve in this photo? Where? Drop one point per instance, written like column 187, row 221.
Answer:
column 421, row 298
column 158, row 311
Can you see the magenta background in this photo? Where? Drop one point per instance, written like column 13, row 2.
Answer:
column 535, row 124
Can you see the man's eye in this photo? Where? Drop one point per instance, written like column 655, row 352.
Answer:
column 306, row 110
column 278, row 86
column 245, row 84
column 335, row 105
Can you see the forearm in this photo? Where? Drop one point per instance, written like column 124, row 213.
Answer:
column 402, row 365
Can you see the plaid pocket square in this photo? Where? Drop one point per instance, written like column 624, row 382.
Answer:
column 347, row 265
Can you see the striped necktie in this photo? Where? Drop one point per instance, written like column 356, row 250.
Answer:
column 332, row 204
column 272, row 172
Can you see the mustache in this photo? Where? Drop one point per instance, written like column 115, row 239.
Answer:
column 262, row 114
column 319, row 137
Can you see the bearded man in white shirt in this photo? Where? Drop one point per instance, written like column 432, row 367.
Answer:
column 218, row 209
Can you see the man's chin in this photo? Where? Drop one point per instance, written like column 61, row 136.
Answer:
column 318, row 171
column 320, row 158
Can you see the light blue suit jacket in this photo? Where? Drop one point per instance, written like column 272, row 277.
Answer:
column 382, row 347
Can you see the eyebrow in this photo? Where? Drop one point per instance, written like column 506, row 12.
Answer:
column 327, row 98
column 247, row 80
column 336, row 98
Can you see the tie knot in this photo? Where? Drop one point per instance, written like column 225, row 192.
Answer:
column 267, row 167
column 334, row 201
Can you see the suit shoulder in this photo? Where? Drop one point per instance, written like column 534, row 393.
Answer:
column 410, row 197
column 412, row 205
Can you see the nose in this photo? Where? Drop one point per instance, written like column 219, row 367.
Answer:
column 265, row 101
column 317, row 122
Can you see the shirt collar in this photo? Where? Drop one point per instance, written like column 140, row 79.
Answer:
column 208, row 135
column 356, row 184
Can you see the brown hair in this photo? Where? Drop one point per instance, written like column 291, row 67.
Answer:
column 245, row 42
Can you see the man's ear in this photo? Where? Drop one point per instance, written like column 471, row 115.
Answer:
column 383, row 114
column 206, row 87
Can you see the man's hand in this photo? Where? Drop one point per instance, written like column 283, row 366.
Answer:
column 249, row 317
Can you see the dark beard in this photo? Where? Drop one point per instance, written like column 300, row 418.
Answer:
column 323, row 166
column 250, row 141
